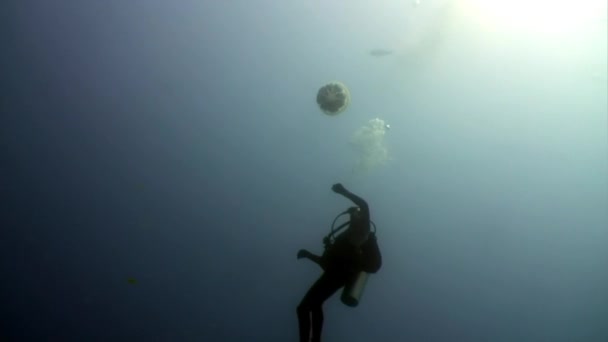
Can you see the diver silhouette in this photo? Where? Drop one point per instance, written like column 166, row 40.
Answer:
column 346, row 262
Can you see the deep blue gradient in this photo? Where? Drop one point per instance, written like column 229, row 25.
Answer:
column 178, row 143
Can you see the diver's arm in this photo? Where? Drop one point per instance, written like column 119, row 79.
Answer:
column 302, row 253
column 360, row 202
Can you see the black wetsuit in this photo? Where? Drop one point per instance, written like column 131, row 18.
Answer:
column 341, row 262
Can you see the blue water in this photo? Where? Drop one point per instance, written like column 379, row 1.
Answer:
column 179, row 144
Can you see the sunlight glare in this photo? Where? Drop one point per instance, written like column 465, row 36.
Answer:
column 536, row 16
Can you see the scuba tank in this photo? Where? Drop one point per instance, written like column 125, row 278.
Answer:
column 353, row 291
column 354, row 288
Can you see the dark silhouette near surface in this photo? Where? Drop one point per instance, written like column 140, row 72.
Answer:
column 350, row 253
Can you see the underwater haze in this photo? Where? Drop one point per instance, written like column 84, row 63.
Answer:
column 163, row 161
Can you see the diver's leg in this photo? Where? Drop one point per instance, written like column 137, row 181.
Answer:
column 310, row 310
column 304, row 323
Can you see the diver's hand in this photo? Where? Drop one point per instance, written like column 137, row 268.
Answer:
column 302, row 253
column 338, row 188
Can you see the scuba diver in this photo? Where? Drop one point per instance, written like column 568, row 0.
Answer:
column 346, row 262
